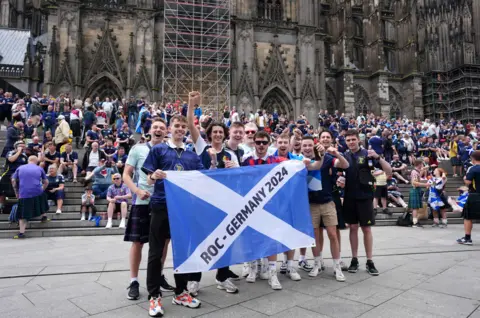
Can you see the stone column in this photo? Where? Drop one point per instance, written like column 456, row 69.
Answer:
column 383, row 95
column 348, row 95
column 417, row 98
column 5, row 13
column 20, row 13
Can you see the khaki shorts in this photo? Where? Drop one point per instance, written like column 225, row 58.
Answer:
column 323, row 212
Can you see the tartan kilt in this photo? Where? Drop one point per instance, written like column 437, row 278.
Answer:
column 415, row 199
column 138, row 226
column 29, row 208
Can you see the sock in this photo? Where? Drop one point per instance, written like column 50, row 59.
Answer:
column 320, row 255
column 83, row 215
column 89, row 215
column 285, row 257
column 468, row 236
column 123, row 219
column 415, row 220
column 336, row 263
column 302, row 258
column 444, row 221
column 318, row 260
column 435, row 220
column 265, row 262
column 272, row 265
column 290, row 264
column 110, row 220
column 135, row 279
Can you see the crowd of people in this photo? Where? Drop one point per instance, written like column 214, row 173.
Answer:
column 354, row 166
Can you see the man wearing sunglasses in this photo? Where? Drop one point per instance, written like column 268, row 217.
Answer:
column 117, row 196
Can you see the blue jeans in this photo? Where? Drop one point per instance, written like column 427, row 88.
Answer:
column 132, row 119
column 100, row 190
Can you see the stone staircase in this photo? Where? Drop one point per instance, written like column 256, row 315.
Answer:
column 68, row 223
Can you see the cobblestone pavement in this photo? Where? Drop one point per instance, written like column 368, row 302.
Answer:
column 423, row 274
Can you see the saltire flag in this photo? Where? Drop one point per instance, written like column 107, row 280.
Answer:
column 230, row 216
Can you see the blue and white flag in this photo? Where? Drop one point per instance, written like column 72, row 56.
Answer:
column 229, row 216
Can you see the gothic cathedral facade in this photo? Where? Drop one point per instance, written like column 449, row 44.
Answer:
column 295, row 56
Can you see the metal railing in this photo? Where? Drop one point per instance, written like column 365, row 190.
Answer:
column 12, row 71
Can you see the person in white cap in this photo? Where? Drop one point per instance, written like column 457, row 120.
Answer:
column 62, row 133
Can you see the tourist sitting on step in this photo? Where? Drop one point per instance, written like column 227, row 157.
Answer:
column 56, row 188
column 91, row 159
column 69, row 163
column 117, row 197
column 50, row 157
column 88, row 204
column 102, row 178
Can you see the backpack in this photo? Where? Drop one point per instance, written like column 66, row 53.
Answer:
column 405, row 219
column 13, row 218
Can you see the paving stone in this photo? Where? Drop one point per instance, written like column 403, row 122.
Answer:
column 67, row 269
column 56, row 281
column 175, row 311
column 123, row 312
column 11, row 303
column 7, row 282
column 14, row 271
column 18, row 289
column 367, row 292
column 399, row 279
column 67, row 292
column 430, row 267
column 314, row 287
column 247, row 291
column 237, row 311
column 390, row 310
column 105, row 300
column 335, row 307
column 59, row 309
column 475, row 314
column 436, row 303
column 299, row 312
column 277, row 301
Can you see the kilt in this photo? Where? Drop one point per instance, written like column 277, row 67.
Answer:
column 471, row 210
column 455, row 162
column 138, row 226
column 415, row 198
column 29, row 208
column 6, row 188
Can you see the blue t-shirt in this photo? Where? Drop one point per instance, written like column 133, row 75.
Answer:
column 473, row 174
column 71, row 157
column 54, row 181
column 326, row 173
column 164, row 157
column 93, row 135
column 49, row 118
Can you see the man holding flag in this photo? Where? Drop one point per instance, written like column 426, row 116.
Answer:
column 171, row 155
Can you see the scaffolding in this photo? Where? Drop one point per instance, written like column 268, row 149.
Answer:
column 196, row 50
column 453, row 94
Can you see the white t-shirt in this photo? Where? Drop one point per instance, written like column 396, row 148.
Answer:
column 94, row 159
column 261, row 121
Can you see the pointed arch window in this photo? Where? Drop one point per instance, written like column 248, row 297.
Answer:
column 270, row 10
column 362, row 102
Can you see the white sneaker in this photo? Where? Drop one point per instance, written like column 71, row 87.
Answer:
column 264, row 273
column 315, row 270
column 322, row 264
column 337, row 272
column 83, row 218
column 109, row 224
column 122, row 224
column 193, row 288
column 283, row 268
column 343, row 266
column 59, row 211
column 227, row 286
column 252, row 274
column 273, row 280
column 246, row 269
column 293, row 274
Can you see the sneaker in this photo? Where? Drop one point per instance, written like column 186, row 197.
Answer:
column 59, row 211
column 156, row 307
column 232, row 275
column 83, row 218
column 184, row 299
column 165, row 286
column 122, row 224
column 353, row 268
column 273, row 280
column 252, row 272
column 283, row 268
column 293, row 274
column 435, row 225
column 464, row 241
column 44, row 219
column 193, row 288
column 371, row 269
column 443, row 225
column 19, row 236
column 264, row 273
column 305, row 266
column 417, row 225
column 245, row 269
column 227, row 286
column 343, row 266
column 337, row 272
column 315, row 270
column 134, row 292
column 109, row 224
column 75, row 180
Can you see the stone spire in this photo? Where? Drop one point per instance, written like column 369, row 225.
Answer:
column 131, row 51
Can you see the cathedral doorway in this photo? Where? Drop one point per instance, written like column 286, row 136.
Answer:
column 276, row 99
column 103, row 86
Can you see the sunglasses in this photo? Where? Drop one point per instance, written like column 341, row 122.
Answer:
column 116, row 178
column 250, row 132
column 261, row 142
